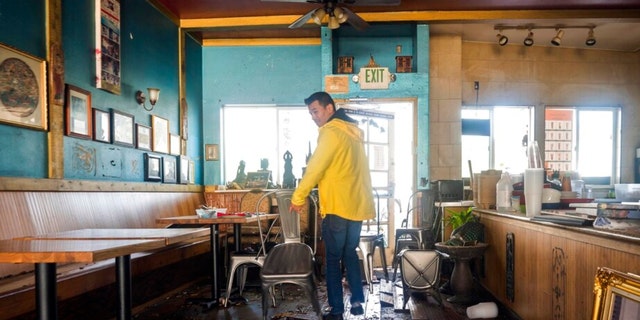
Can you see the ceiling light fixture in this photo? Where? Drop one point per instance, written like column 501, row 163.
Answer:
column 557, row 40
column 154, row 93
column 502, row 39
column 591, row 40
column 528, row 41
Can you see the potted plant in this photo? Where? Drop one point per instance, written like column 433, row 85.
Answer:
column 467, row 229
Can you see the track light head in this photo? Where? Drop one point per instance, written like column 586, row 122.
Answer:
column 591, row 40
column 502, row 39
column 528, row 41
column 558, row 38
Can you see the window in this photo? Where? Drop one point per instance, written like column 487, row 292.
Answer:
column 252, row 133
column 495, row 138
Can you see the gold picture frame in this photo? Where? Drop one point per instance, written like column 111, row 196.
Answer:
column 615, row 292
column 24, row 102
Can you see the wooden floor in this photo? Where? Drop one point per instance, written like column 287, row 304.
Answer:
column 384, row 301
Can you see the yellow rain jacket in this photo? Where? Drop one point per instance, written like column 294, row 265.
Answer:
column 340, row 168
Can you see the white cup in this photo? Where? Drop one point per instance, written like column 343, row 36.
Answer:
column 533, row 184
column 482, row 310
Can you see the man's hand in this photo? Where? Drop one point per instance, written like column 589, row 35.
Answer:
column 296, row 208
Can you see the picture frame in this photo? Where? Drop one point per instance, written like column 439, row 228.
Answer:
column 107, row 45
column 169, row 169
column 211, row 152
column 159, row 134
column 122, row 128
column 175, row 144
column 183, row 168
column 101, row 126
column 28, row 74
column 615, row 290
column 143, row 137
column 257, row 180
column 192, row 171
column 78, row 112
column 152, row 167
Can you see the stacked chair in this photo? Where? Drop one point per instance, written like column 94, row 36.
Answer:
column 423, row 237
column 291, row 261
column 369, row 241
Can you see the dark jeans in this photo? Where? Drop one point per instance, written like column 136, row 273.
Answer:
column 341, row 238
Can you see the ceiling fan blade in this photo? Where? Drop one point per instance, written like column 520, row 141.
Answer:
column 302, row 20
column 354, row 19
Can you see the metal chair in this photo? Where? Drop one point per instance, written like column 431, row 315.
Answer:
column 369, row 241
column 420, row 271
column 240, row 261
column 420, row 238
column 289, row 262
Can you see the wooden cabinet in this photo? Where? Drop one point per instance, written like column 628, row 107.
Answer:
column 547, row 271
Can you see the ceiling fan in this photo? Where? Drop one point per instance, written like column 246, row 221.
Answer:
column 336, row 15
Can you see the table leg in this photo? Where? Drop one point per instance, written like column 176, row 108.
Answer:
column 46, row 296
column 123, row 278
column 213, row 248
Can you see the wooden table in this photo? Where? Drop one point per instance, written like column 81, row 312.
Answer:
column 45, row 254
column 159, row 236
column 213, row 223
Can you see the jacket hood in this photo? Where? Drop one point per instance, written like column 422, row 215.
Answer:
column 340, row 120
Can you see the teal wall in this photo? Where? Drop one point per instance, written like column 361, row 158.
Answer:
column 149, row 58
column 288, row 74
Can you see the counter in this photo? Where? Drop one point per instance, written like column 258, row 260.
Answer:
column 543, row 270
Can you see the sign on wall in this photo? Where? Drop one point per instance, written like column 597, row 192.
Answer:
column 108, row 45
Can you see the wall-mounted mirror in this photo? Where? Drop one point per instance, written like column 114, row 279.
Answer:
column 617, row 295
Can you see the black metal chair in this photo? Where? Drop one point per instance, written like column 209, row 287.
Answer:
column 423, row 237
column 369, row 241
column 289, row 262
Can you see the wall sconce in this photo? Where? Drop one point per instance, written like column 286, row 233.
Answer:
column 211, row 152
column 154, row 93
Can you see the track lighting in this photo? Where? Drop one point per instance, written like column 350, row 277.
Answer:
column 591, row 40
column 528, row 41
column 558, row 38
column 502, row 39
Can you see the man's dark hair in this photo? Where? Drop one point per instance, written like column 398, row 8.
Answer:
column 322, row 97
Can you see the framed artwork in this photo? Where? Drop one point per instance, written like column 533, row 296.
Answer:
column 192, row 172
column 122, row 125
column 159, row 134
column 617, row 294
column 257, row 180
column 143, row 137
column 183, row 168
column 101, row 126
column 169, row 169
column 78, row 112
column 175, row 144
column 211, row 152
column 152, row 167
column 23, row 94
column 107, row 19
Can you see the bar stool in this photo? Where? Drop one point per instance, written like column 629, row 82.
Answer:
column 369, row 241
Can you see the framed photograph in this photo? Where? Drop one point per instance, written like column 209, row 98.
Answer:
column 143, row 137
column 617, row 294
column 192, row 172
column 152, row 167
column 169, row 169
column 23, row 94
column 175, row 144
column 159, row 134
column 101, row 126
column 211, row 152
column 107, row 42
column 122, row 125
column 183, row 166
column 78, row 112
column 257, row 180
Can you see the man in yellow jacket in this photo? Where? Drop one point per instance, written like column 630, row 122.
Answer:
column 340, row 168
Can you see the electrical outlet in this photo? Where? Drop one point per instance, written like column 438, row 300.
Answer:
column 476, row 85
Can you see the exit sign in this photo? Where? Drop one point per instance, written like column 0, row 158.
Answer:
column 374, row 78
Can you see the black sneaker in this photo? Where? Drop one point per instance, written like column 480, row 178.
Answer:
column 356, row 309
column 330, row 316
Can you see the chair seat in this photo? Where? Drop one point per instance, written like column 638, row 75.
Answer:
column 420, row 271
